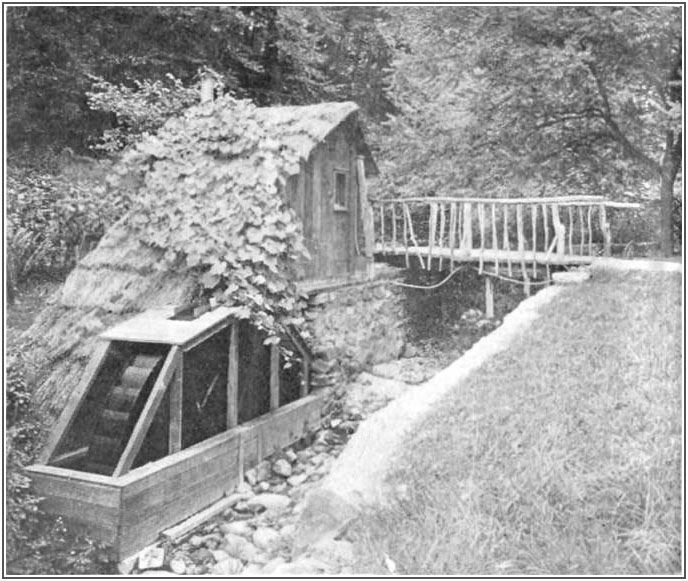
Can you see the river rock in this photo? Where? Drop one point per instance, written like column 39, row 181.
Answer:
column 178, row 566
column 237, row 527
column 263, row 486
column 279, row 488
column 234, row 544
column 244, row 489
column 290, row 455
column 212, row 541
column 196, row 541
column 282, row 468
column 226, row 567
column 263, row 471
column 265, row 538
column 251, row 476
column 201, row 556
column 151, row 558
column 304, row 455
column 297, row 479
column 269, row 501
column 193, row 570
column 219, row 555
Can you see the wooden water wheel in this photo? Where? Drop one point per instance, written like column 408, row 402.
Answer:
column 123, row 405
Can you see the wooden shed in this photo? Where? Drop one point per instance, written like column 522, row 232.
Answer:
column 328, row 192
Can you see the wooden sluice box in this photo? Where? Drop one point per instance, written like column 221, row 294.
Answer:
column 170, row 412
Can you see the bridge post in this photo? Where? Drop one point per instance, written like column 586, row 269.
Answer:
column 606, row 231
column 489, row 298
column 366, row 216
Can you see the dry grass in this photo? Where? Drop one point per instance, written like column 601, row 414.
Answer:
column 562, row 456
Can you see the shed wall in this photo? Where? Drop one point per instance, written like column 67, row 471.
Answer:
column 330, row 229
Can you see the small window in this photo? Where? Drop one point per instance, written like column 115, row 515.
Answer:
column 341, row 190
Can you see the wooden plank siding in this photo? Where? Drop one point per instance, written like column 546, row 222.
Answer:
column 90, row 501
column 262, row 436
column 130, row 511
column 329, row 233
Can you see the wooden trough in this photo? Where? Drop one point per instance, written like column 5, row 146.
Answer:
column 170, row 412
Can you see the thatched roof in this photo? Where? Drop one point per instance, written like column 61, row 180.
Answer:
column 302, row 128
column 122, row 277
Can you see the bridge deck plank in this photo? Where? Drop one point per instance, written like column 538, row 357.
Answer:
column 489, row 255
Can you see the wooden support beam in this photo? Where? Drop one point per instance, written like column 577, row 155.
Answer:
column 412, row 236
column 171, row 366
column 432, row 228
column 533, row 222
column 489, row 298
column 481, row 223
column 274, row 376
column 559, row 231
column 570, row 212
column 76, row 398
column 606, row 231
column 394, row 224
column 406, row 238
column 233, row 378
column 467, row 240
column 69, row 457
column 176, row 405
column 440, row 240
column 306, row 380
column 495, row 236
column 452, row 233
column 590, row 230
column 521, row 239
column 582, row 229
column 366, row 216
column 506, row 245
column 382, row 226
column 545, row 213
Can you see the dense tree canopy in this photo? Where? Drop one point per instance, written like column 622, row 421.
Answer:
column 457, row 100
column 296, row 55
column 524, row 99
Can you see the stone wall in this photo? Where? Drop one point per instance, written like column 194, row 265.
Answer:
column 357, row 326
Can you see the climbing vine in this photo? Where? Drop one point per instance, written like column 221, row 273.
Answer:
column 205, row 189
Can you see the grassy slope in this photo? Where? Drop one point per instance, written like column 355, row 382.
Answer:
column 562, row 456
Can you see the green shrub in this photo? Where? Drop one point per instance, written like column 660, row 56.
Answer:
column 51, row 219
column 37, row 543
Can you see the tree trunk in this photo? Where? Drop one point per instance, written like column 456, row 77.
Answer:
column 670, row 166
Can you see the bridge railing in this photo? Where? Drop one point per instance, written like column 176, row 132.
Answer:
column 556, row 230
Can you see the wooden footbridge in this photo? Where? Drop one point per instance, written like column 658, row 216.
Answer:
column 504, row 235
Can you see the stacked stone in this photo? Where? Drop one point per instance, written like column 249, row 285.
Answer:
column 358, row 326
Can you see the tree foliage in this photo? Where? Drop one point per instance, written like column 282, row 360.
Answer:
column 51, row 218
column 514, row 99
column 268, row 54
